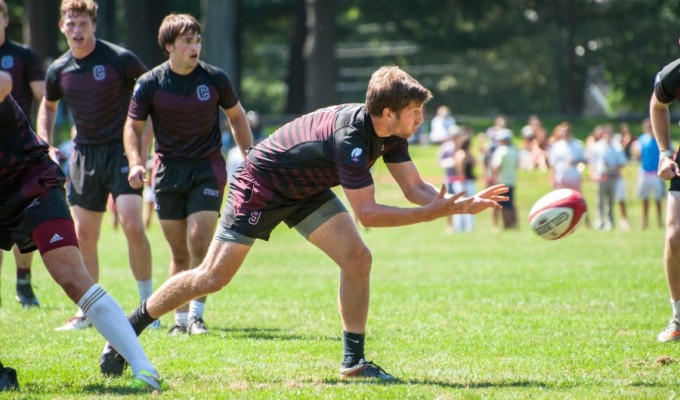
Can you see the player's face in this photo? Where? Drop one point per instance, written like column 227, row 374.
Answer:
column 406, row 122
column 79, row 32
column 184, row 52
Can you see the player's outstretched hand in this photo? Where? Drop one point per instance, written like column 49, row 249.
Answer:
column 137, row 176
column 445, row 204
column 488, row 197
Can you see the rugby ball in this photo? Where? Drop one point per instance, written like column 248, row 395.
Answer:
column 557, row 214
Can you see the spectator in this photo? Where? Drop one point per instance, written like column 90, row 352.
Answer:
column 504, row 166
column 607, row 161
column 441, row 125
column 649, row 183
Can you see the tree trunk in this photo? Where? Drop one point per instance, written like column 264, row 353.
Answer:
column 320, row 54
column 141, row 29
column 222, row 30
column 295, row 80
column 41, row 28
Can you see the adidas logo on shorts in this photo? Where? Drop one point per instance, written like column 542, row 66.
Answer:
column 211, row 192
column 55, row 238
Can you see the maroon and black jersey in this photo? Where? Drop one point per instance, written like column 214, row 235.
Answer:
column 97, row 89
column 25, row 67
column 184, row 109
column 329, row 147
column 20, row 147
column 667, row 83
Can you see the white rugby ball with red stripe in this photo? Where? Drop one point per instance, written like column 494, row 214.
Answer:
column 557, row 214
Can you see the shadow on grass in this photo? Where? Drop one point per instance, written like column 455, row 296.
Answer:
column 448, row 385
column 268, row 334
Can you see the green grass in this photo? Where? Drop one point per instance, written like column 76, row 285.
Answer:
column 477, row 315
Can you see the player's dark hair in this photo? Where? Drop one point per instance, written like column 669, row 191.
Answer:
column 391, row 87
column 78, row 7
column 174, row 25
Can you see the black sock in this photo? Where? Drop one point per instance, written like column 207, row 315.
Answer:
column 353, row 344
column 140, row 319
column 23, row 275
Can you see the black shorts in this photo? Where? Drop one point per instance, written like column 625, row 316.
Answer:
column 39, row 197
column 97, row 171
column 184, row 187
column 510, row 204
column 254, row 210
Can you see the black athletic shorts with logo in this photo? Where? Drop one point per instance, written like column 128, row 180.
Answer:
column 39, row 197
column 254, row 210
column 184, row 187
column 96, row 171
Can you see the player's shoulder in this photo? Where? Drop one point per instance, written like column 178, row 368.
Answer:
column 350, row 114
column 19, row 48
column 216, row 74
column 61, row 61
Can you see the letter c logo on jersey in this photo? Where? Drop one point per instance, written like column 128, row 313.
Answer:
column 202, row 93
column 99, row 72
column 7, row 62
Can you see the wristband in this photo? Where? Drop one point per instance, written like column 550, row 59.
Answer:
column 666, row 154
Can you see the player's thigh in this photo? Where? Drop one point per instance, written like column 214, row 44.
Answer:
column 88, row 223
column 339, row 238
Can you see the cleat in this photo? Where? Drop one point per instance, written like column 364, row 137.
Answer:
column 365, row 369
column 75, row 324
column 25, row 294
column 197, row 327
column 111, row 362
column 145, row 381
column 155, row 324
column 177, row 330
column 8, row 379
column 671, row 332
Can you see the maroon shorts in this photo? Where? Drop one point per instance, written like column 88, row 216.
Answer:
column 39, row 197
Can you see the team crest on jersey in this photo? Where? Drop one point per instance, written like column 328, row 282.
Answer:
column 356, row 153
column 203, row 92
column 7, row 62
column 99, row 72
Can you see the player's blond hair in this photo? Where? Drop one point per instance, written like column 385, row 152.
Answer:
column 174, row 25
column 79, row 7
column 391, row 87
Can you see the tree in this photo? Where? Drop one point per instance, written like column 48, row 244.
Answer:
column 142, row 19
column 319, row 52
column 41, row 30
column 222, row 29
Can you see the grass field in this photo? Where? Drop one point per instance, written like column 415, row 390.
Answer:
column 477, row 315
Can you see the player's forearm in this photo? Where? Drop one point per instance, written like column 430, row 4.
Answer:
column 242, row 134
column 379, row 215
column 661, row 125
column 422, row 194
column 45, row 122
column 132, row 140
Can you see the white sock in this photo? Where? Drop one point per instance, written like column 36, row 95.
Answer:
column 80, row 313
column 182, row 318
column 676, row 308
column 196, row 309
column 145, row 289
column 109, row 319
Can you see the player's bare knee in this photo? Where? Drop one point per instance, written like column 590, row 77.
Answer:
column 211, row 283
column 358, row 262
